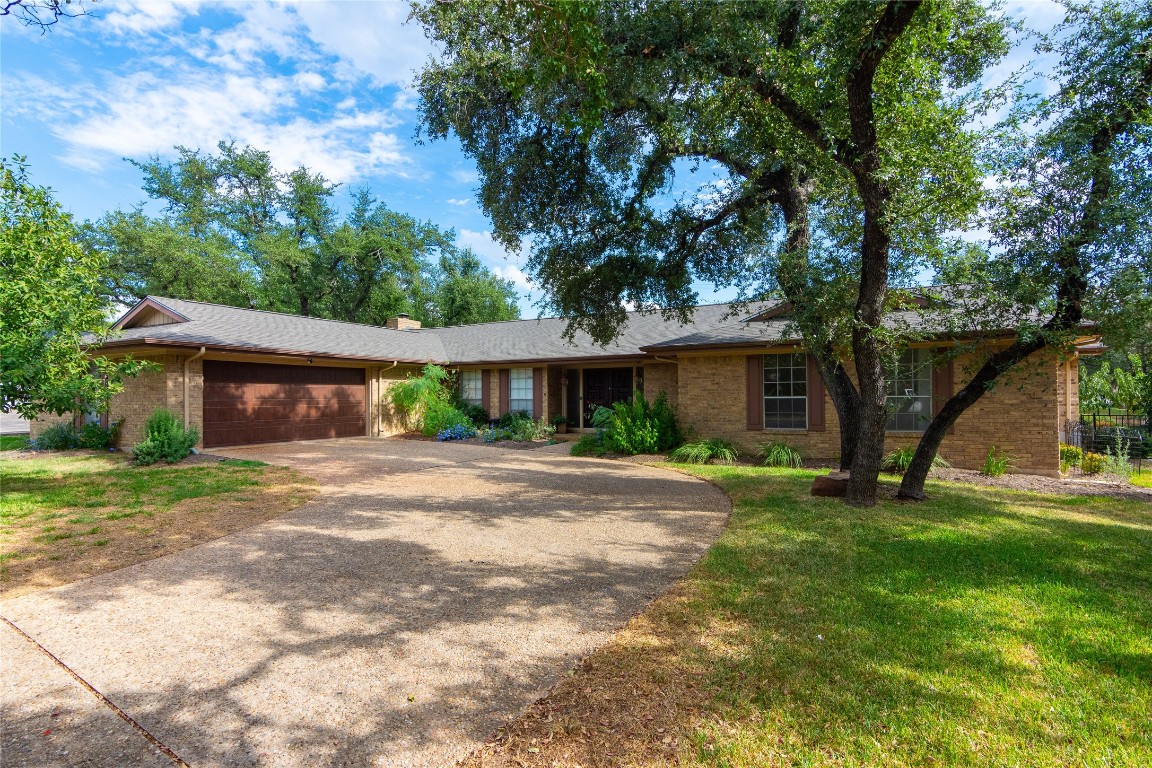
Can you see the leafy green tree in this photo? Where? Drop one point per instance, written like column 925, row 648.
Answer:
column 237, row 231
column 1124, row 386
column 50, row 298
column 1072, row 218
column 844, row 119
column 467, row 292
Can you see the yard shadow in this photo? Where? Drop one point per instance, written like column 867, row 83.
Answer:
column 400, row 622
column 821, row 634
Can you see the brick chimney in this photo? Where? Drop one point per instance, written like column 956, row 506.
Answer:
column 401, row 323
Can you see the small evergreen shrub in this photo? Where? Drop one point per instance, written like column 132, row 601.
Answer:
column 518, row 426
column 637, row 426
column 899, row 460
column 705, row 452
column 100, row 438
column 1116, row 461
column 166, row 440
column 475, row 413
column 1071, row 455
column 996, row 463
column 58, row 437
column 1092, row 463
column 591, row 444
column 781, row 455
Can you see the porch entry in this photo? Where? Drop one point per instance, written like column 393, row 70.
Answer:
column 591, row 388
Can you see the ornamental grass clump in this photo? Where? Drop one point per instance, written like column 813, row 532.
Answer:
column 58, row 437
column 996, row 463
column 714, row 451
column 166, row 440
column 781, row 455
column 899, row 460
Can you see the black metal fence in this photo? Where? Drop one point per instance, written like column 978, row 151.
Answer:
column 1116, row 435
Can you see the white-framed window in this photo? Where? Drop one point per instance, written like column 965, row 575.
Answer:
column 786, row 391
column 520, row 391
column 909, row 386
column 472, row 388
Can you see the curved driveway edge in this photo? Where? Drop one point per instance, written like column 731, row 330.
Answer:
column 430, row 593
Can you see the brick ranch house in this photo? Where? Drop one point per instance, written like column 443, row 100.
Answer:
column 244, row 376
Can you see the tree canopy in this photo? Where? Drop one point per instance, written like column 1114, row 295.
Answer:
column 50, row 298
column 585, row 120
column 235, row 230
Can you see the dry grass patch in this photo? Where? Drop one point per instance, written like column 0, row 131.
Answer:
column 65, row 517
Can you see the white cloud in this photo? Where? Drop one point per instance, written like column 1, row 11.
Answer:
column 370, row 36
column 146, row 113
column 457, row 201
column 515, row 275
column 144, row 16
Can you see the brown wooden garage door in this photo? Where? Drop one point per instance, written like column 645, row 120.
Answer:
column 259, row 403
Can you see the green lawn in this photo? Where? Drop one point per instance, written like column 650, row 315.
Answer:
column 984, row 627
column 13, row 442
column 1144, row 479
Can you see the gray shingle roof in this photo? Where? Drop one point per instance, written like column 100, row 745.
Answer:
column 218, row 326
column 715, row 325
column 543, row 339
column 214, row 325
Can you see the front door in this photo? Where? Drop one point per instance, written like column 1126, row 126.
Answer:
column 603, row 387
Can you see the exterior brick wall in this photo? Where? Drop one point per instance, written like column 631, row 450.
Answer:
column 384, row 420
column 46, row 420
column 143, row 395
column 1021, row 416
column 661, row 377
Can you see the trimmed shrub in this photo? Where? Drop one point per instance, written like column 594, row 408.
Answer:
column 899, row 460
column 781, row 455
column 58, row 437
column 1092, row 463
column 1070, row 455
column 166, row 440
column 590, row 445
column 996, row 463
column 475, row 413
column 705, row 452
column 100, row 438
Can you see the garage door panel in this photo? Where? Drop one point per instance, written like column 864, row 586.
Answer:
column 261, row 403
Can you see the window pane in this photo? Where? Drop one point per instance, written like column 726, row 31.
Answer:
column 520, row 390
column 785, row 391
column 909, row 390
column 471, row 387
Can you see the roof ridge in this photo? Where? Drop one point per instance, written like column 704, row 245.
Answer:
column 162, row 299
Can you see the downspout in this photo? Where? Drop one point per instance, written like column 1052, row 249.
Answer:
column 187, row 360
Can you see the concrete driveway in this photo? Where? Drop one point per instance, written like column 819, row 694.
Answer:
column 430, row 593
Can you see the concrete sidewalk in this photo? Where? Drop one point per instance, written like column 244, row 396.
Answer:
column 431, row 592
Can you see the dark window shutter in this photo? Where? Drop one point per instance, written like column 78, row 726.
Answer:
column 815, row 397
column 755, row 392
column 486, row 389
column 537, row 393
column 505, row 385
column 942, row 385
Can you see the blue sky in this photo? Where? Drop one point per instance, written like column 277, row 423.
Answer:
column 320, row 84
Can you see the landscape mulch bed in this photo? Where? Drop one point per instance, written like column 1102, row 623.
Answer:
column 519, row 445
